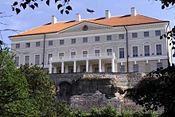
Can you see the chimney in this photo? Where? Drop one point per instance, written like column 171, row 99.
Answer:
column 133, row 11
column 54, row 20
column 78, row 17
column 107, row 14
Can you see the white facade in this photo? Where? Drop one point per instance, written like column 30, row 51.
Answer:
column 100, row 48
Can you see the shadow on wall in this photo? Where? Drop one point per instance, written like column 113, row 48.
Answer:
column 64, row 91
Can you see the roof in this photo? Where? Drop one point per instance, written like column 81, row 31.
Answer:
column 126, row 20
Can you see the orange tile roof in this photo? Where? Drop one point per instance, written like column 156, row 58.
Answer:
column 113, row 21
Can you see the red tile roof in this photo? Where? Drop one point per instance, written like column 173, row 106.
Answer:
column 113, row 21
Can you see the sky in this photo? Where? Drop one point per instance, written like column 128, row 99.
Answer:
column 29, row 18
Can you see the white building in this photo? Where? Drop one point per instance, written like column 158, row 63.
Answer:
column 129, row 43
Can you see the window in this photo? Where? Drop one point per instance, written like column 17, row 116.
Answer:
column 147, row 50
column 134, row 35
column 135, row 51
column 157, row 32
column 121, row 53
column 61, row 55
column 97, row 52
column 146, row 34
column 109, row 51
column 122, row 68
column 17, row 45
column 17, row 60
column 97, row 38
column 135, row 68
column 50, row 43
column 37, row 59
column 121, row 36
column 73, row 41
column 159, row 49
column 27, row 45
column 159, row 65
column 73, row 54
column 49, row 56
column 85, row 53
column 27, row 60
column 85, row 39
column 109, row 37
column 37, row 44
column 61, row 42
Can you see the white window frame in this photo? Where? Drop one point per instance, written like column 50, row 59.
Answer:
column 119, row 53
column 73, row 41
column 50, row 43
column 61, row 56
column 97, row 48
column 73, row 56
column 25, row 59
column 96, row 38
column 109, row 54
column 39, row 59
column 17, row 47
column 156, row 49
column 155, row 33
column 108, row 36
column 61, row 41
column 149, row 50
column 85, row 55
column 86, row 39
column 146, row 32
column 132, row 34
column 37, row 45
column 121, row 38
column 28, row 46
column 132, row 51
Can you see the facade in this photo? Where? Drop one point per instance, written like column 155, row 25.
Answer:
column 129, row 43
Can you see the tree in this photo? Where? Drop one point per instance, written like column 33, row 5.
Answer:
column 156, row 90
column 26, row 91
column 62, row 5
column 14, row 95
column 41, row 90
column 167, row 3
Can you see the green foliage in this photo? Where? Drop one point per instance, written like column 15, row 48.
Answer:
column 14, row 96
column 63, row 109
column 41, row 90
column 156, row 90
column 24, row 92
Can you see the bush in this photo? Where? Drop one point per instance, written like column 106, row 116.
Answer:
column 126, row 114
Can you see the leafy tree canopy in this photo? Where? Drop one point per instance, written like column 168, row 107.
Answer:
column 24, row 92
column 62, row 5
column 41, row 90
column 156, row 90
column 167, row 3
column 14, row 95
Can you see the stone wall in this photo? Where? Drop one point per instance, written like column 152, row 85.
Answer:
column 87, row 90
column 88, row 100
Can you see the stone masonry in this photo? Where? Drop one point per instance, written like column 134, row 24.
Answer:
column 87, row 90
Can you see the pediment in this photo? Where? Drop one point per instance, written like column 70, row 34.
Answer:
column 85, row 26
